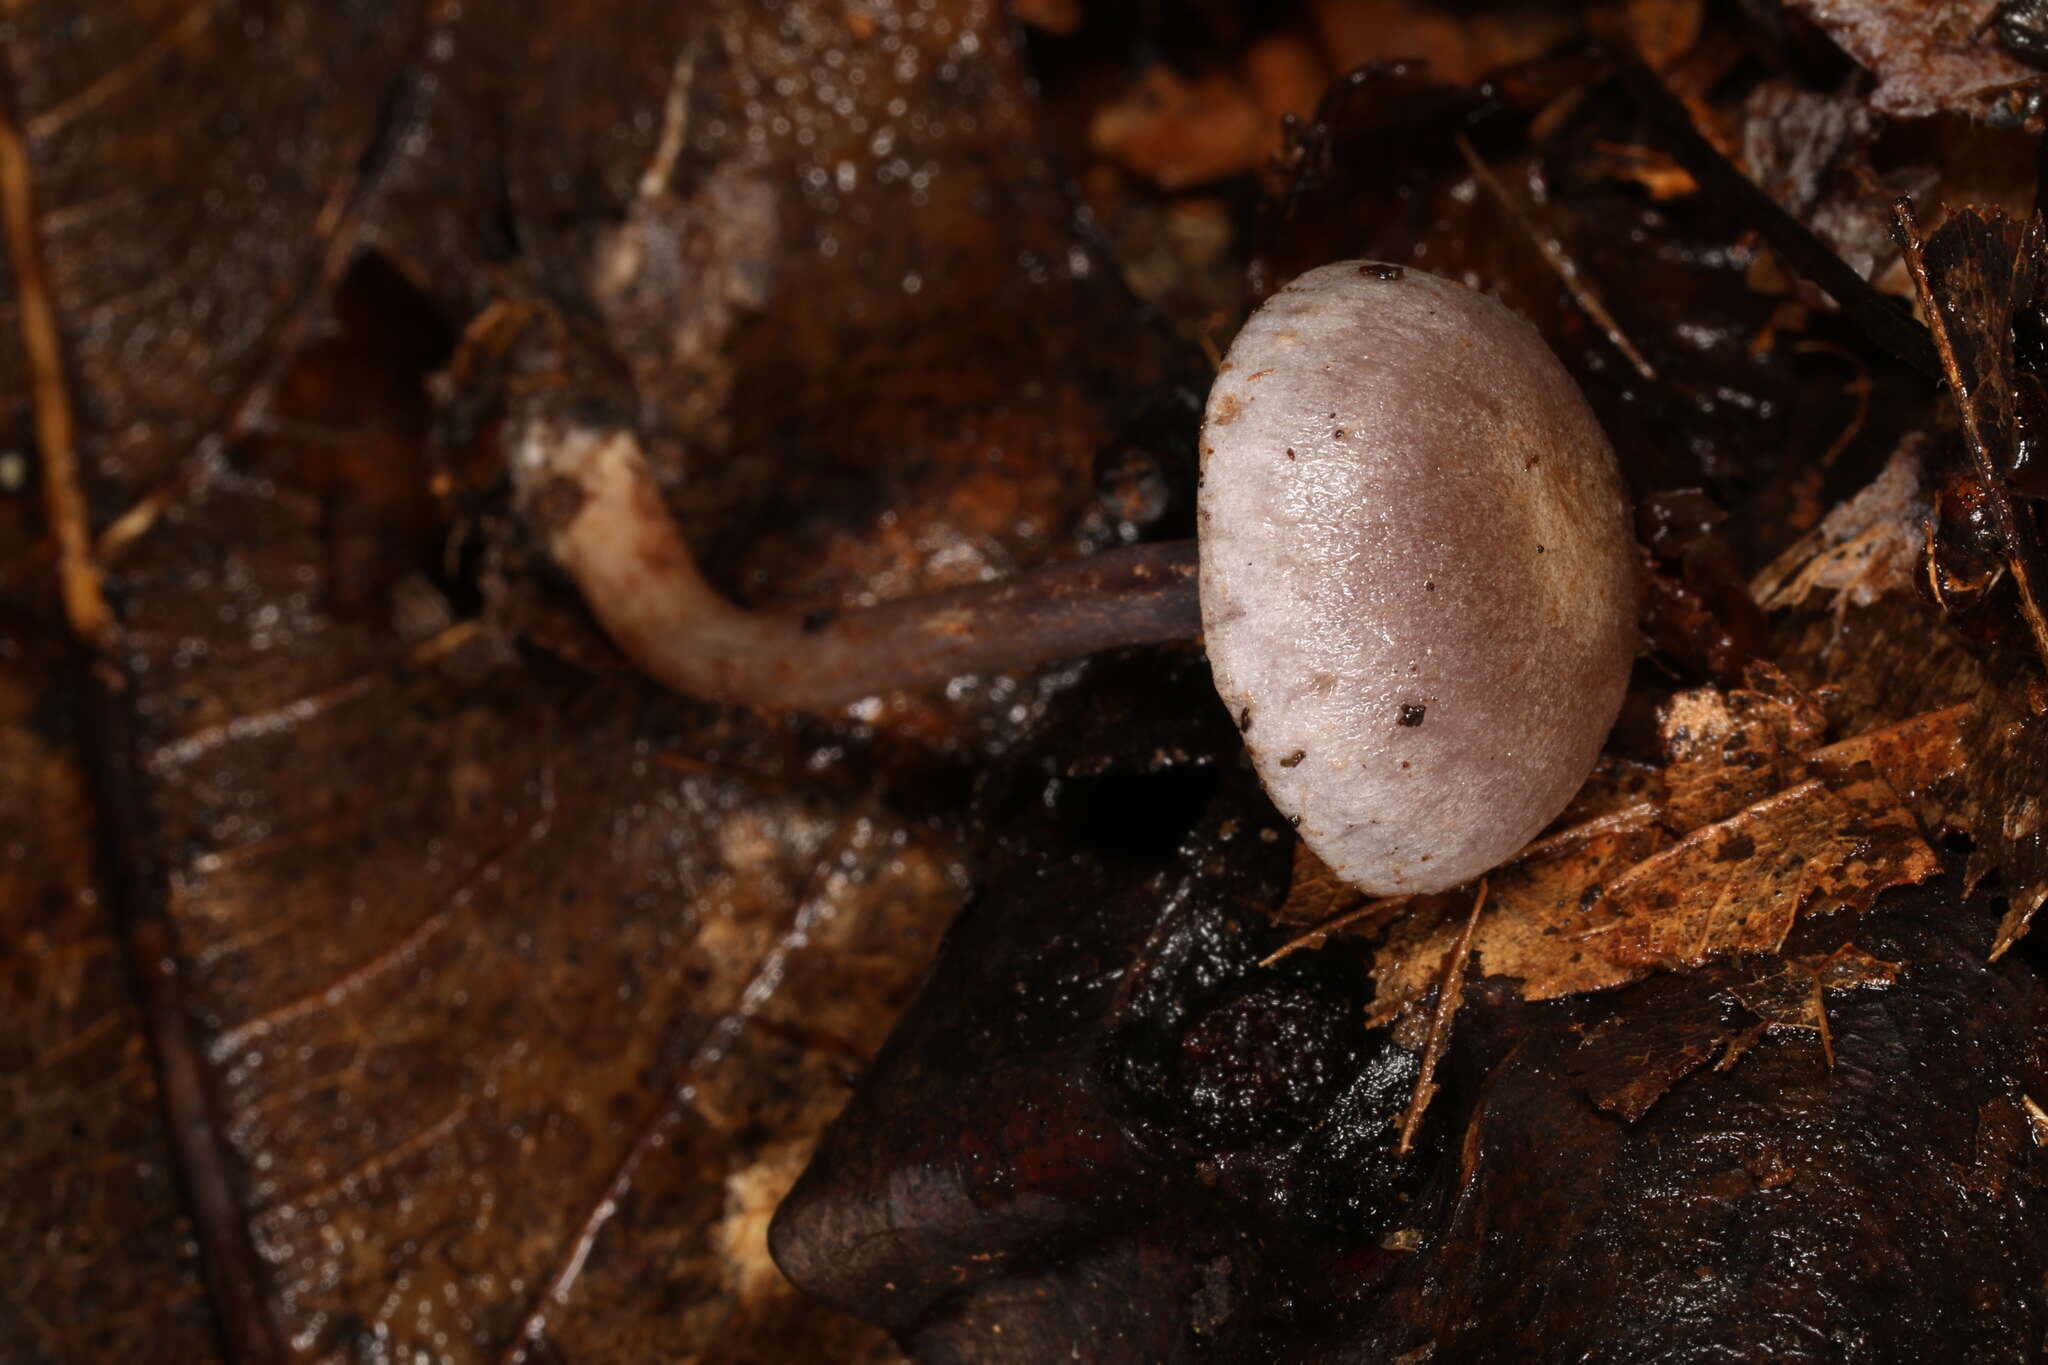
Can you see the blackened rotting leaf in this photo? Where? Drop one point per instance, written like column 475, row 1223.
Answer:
column 1768, row 1208
column 1661, row 1170
column 1102, row 1104
column 985, row 1135
column 1263, row 1061
column 1154, row 1292
column 1265, row 1077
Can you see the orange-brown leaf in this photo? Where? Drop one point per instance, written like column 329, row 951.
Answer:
column 1749, row 827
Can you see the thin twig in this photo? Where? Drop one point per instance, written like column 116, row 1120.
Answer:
column 1384, row 907
column 675, row 125
column 1450, row 993
column 64, row 505
column 1561, row 265
column 237, row 1280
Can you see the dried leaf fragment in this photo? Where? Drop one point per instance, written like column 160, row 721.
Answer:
column 1734, row 887
column 1868, row 545
column 1751, row 826
column 1316, row 895
column 1976, row 767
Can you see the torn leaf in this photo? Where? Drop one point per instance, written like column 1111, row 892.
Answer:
column 1751, row 825
column 1900, row 656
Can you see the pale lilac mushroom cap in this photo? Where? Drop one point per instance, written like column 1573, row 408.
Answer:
column 1418, row 573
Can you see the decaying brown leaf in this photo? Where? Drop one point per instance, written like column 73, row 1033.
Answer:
column 1751, row 825
column 1865, row 547
column 1317, row 895
column 502, row 1035
column 1992, row 793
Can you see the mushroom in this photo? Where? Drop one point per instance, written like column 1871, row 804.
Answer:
column 1416, row 578
column 1417, row 572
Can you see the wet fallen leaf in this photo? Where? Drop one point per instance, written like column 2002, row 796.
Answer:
column 1753, row 824
column 1992, row 794
column 500, row 1000
column 1795, row 995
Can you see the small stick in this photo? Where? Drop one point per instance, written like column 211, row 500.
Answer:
column 1450, row 993
column 78, row 574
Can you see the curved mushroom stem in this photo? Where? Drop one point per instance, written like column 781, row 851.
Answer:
column 594, row 499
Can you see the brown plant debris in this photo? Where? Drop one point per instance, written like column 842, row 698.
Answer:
column 85, row 603
column 1900, row 656
column 1752, row 824
column 1868, row 545
column 1971, row 277
column 1450, row 994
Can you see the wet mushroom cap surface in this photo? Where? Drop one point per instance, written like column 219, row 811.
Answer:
column 1417, row 572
